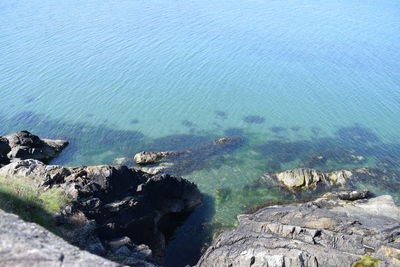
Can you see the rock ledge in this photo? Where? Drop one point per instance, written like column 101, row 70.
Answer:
column 338, row 229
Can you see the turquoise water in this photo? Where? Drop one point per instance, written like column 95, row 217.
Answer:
column 293, row 78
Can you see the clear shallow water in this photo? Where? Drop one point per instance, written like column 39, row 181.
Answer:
column 118, row 77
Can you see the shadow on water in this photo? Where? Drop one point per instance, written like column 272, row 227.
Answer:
column 192, row 237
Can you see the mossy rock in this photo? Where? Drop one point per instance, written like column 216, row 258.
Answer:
column 366, row 261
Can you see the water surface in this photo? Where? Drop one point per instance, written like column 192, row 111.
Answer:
column 294, row 79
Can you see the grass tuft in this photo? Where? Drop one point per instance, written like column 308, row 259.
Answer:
column 22, row 196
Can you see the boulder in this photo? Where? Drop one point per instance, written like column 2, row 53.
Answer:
column 338, row 229
column 122, row 202
column 24, row 145
column 146, row 158
column 309, row 179
column 25, row 244
column 4, row 150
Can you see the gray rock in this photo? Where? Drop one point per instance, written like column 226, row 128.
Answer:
column 96, row 248
column 132, row 261
column 123, row 251
column 24, row 145
column 25, row 244
column 339, row 229
column 119, row 242
column 309, row 179
column 146, row 157
column 35, row 169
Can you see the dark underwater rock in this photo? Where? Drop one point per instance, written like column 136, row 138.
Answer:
column 253, row 119
column 24, row 244
column 118, row 201
column 184, row 161
column 339, row 229
column 315, row 160
column 24, row 145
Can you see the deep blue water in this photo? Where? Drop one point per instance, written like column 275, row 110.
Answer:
column 292, row 78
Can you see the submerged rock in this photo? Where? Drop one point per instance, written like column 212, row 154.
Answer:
column 25, row 244
column 183, row 161
column 121, row 161
column 118, row 201
column 24, row 145
column 339, row 229
column 315, row 160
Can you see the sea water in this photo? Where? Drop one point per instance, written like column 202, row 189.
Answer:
column 293, row 79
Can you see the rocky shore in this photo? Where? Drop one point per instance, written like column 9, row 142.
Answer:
column 125, row 214
column 114, row 211
column 28, row 244
column 339, row 229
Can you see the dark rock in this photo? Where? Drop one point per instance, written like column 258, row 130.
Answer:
column 4, row 146
column 121, row 201
column 24, row 145
column 25, row 244
column 4, row 150
column 349, row 195
column 122, row 252
column 339, row 229
column 96, row 248
column 185, row 160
